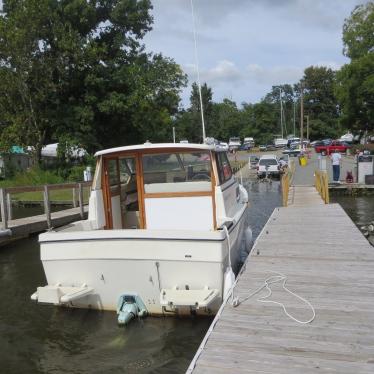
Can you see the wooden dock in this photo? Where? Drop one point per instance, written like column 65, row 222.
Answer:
column 328, row 262
column 22, row 227
column 12, row 229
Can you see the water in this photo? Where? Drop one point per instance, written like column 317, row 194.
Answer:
column 46, row 339
column 360, row 209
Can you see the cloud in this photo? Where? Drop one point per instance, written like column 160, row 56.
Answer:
column 223, row 72
column 274, row 75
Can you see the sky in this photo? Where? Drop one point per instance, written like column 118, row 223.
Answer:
column 247, row 46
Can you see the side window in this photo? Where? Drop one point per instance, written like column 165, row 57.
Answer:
column 224, row 168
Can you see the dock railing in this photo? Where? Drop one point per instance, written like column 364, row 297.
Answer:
column 286, row 179
column 321, row 182
column 6, row 201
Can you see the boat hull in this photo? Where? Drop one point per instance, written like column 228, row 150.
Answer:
column 118, row 262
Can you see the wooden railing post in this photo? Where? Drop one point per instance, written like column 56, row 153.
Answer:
column 81, row 200
column 285, row 183
column 74, row 197
column 4, row 215
column 9, row 206
column 47, row 207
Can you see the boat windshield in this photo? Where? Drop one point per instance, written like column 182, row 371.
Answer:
column 171, row 168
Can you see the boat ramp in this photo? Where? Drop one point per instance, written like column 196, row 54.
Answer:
column 322, row 321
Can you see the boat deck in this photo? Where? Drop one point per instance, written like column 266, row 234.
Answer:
column 328, row 262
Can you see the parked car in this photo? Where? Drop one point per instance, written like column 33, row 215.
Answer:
column 294, row 150
column 222, row 145
column 245, row 147
column 262, row 147
column 268, row 165
column 271, row 147
column 285, row 158
column 334, row 146
column 253, row 161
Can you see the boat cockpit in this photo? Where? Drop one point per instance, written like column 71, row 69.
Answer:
column 162, row 186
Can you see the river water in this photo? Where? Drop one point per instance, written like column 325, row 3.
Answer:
column 46, row 339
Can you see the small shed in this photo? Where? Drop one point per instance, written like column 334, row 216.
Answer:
column 14, row 160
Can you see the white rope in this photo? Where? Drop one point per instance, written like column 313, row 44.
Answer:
column 275, row 279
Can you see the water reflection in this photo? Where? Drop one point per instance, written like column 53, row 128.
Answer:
column 46, row 339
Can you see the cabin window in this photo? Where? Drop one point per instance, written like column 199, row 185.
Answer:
column 223, row 166
column 177, row 172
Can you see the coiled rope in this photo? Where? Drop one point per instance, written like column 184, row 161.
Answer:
column 264, row 299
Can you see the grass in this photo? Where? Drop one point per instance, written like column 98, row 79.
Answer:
column 58, row 195
column 39, row 177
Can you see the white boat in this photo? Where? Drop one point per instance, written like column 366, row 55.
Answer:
column 167, row 227
column 234, row 143
column 280, row 142
column 348, row 137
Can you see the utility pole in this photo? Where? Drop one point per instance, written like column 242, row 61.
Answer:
column 173, row 134
column 294, row 119
column 281, row 109
column 301, row 114
column 307, row 127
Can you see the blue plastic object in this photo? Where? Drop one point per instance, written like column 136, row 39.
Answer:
column 130, row 306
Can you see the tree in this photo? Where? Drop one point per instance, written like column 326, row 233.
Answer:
column 358, row 32
column 75, row 71
column 320, row 102
column 355, row 81
column 288, row 97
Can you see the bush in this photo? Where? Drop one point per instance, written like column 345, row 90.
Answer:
column 33, row 177
column 361, row 147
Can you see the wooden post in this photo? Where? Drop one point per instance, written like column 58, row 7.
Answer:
column 4, row 217
column 74, row 197
column 81, row 200
column 9, row 206
column 47, row 207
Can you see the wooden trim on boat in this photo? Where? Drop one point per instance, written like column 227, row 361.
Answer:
column 140, row 187
column 107, row 204
column 213, row 173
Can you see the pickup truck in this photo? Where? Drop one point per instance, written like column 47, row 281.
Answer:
column 334, row 146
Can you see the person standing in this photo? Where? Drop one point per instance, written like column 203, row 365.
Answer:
column 335, row 159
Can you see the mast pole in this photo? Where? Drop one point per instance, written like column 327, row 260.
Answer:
column 197, row 72
column 281, row 109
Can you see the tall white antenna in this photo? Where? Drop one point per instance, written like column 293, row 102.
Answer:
column 197, row 71
column 281, row 109
column 294, row 118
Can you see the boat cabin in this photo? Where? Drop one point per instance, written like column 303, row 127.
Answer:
column 162, row 186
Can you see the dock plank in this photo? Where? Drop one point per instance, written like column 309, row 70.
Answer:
column 327, row 261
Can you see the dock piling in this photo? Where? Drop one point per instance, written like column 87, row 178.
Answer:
column 3, row 208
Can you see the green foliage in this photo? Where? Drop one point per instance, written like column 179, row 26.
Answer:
column 75, row 69
column 358, row 31
column 33, row 177
column 320, row 102
column 355, row 81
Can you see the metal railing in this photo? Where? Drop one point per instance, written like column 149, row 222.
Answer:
column 6, row 201
column 321, row 182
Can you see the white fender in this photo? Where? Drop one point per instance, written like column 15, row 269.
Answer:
column 229, row 279
column 248, row 239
